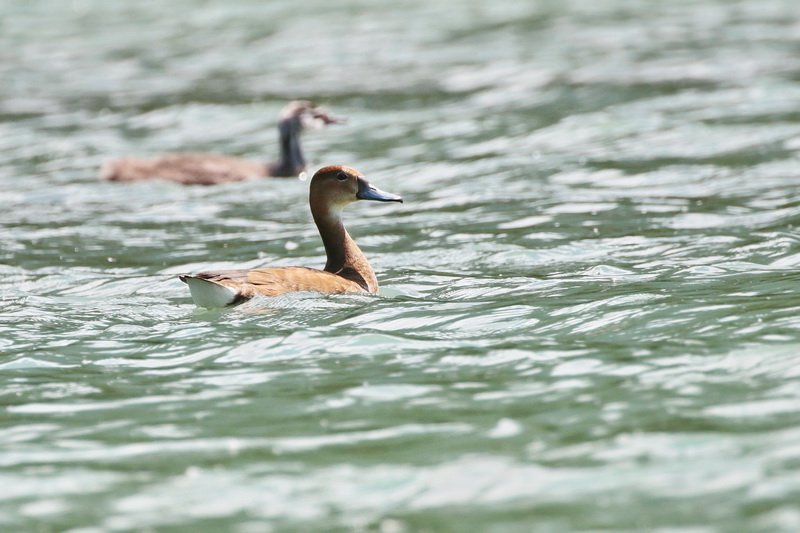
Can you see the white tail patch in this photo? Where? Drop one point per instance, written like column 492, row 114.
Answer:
column 209, row 294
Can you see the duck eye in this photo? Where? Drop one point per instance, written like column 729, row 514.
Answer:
column 341, row 176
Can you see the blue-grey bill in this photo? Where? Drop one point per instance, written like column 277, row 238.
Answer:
column 368, row 192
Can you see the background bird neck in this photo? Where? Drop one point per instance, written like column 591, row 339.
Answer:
column 291, row 162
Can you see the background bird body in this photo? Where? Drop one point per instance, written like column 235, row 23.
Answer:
column 211, row 169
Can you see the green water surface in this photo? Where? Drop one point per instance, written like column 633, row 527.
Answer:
column 589, row 310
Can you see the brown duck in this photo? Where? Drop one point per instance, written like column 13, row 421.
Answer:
column 210, row 169
column 346, row 270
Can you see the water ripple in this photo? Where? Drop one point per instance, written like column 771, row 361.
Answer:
column 588, row 315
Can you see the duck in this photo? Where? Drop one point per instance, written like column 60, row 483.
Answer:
column 211, row 169
column 346, row 270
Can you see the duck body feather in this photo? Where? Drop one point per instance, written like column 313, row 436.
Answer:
column 245, row 284
column 186, row 169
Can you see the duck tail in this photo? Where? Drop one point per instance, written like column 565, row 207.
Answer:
column 209, row 294
column 108, row 171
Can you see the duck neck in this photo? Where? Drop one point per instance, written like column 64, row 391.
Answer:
column 345, row 258
column 291, row 162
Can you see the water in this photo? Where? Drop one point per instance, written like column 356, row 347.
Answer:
column 589, row 314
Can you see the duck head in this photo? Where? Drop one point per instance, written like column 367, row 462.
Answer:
column 294, row 118
column 334, row 187
column 303, row 114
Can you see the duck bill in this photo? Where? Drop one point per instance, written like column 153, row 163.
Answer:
column 331, row 119
column 321, row 114
column 368, row 192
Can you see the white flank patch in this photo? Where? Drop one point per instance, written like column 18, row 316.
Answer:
column 209, row 294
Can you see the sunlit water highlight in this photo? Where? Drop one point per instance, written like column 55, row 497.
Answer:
column 589, row 312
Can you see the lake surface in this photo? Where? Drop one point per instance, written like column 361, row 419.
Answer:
column 589, row 317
